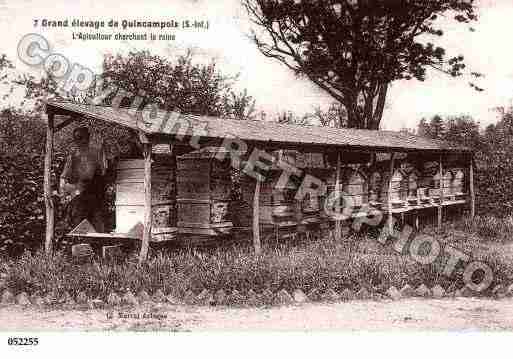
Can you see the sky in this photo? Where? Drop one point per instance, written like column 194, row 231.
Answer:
column 488, row 50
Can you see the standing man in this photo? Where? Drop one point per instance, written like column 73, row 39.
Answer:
column 82, row 182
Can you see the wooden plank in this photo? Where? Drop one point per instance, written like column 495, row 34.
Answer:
column 112, row 252
column 47, row 186
column 338, row 222
column 81, row 250
column 226, row 224
column 193, row 200
column 64, row 123
column 157, row 237
column 389, row 199
column 83, row 227
column 439, row 210
column 472, row 192
column 455, row 202
column 147, row 203
column 256, row 219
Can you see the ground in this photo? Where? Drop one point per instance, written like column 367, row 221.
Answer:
column 460, row 314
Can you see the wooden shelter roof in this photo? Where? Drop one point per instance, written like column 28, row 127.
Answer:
column 266, row 134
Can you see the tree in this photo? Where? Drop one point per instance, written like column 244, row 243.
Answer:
column 38, row 90
column 463, row 130
column 181, row 85
column 334, row 116
column 6, row 67
column 436, row 127
column 494, row 177
column 354, row 49
column 423, row 128
column 239, row 105
column 290, row 118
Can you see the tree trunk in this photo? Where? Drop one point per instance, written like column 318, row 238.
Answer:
column 353, row 116
column 380, row 106
column 368, row 115
column 47, row 186
column 148, row 215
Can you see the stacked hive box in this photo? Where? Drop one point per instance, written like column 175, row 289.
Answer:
column 375, row 188
column 130, row 196
column 447, row 185
column 413, row 185
column 429, row 189
column 441, row 186
column 355, row 188
column 278, row 207
column 457, row 184
column 314, row 165
column 204, row 193
column 394, row 185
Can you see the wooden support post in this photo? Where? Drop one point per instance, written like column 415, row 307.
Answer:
column 471, row 187
column 338, row 223
column 440, row 205
column 389, row 201
column 256, row 219
column 47, row 185
column 148, row 214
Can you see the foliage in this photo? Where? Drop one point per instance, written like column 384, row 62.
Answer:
column 37, row 90
column 141, row 78
column 493, row 157
column 354, row 49
column 181, row 85
column 21, row 183
column 334, row 116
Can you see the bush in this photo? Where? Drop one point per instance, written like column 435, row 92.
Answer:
column 22, row 220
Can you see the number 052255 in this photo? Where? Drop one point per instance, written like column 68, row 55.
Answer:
column 22, row 341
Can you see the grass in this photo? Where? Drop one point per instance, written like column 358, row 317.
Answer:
column 488, row 227
column 358, row 261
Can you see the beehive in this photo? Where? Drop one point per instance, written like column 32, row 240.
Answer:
column 413, row 185
column 129, row 197
column 393, row 184
column 277, row 205
column 447, row 185
column 374, row 187
column 288, row 156
column 457, row 184
column 355, row 186
column 434, row 189
column 204, row 193
column 429, row 188
column 313, row 164
column 327, row 176
column 311, row 208
column 405, row 185
column 440, row 181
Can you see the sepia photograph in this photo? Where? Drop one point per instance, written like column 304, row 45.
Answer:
column 255, row 166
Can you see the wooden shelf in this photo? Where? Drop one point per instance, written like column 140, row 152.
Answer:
column 155, row 238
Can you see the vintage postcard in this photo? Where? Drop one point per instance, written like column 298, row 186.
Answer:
column 255, row 165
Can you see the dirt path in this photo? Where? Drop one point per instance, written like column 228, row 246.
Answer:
column 411, row 314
